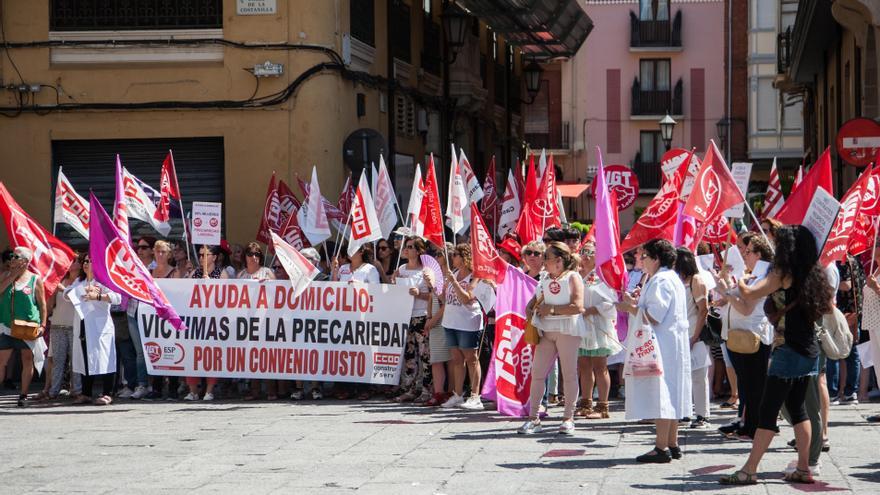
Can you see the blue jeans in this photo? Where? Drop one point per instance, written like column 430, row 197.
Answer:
column 141, row 365
column 853, row 370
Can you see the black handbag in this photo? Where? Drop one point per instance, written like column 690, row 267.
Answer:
column 711, row 332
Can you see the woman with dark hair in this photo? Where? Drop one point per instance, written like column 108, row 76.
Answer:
column 209, row 267
column 697, row 298
column 360, row 267
column 558, row 304
column 415, row 380
column 386, row 260
column 667, row 398
column 805, row 296
column 255, row 270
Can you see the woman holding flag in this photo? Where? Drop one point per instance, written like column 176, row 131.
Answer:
column 416, row 379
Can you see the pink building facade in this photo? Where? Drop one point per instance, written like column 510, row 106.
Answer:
column 644, row 59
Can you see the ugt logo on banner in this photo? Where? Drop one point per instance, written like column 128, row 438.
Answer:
column 122, row 270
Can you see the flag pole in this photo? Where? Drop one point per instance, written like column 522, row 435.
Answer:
column 758, row 224
column 186, row 236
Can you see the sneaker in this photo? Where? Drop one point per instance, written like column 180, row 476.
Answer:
column 852, row 400
column 153, row 395
column 567, row 427
column 125, row 393
column 701, row 423
column 473, row 403
column 815, row 470
column 191, row 397
column 316, row 394
column 297, row 395
column 835, row 401
column 530, row 427
column 139, row 392
column 208, row 397
column 453, row 401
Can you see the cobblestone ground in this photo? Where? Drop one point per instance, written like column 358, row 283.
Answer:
column 377, row 447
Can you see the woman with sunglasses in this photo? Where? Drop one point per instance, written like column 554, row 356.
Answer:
column 254, row 270
column 166, row 254
column 667, row 398
column 558, row 305
column 463, row 324
column 533, row 259
column 600, row 341
column 21, row 298
column 95, row 356
column 209, row 267
column 180, row 260
column 386, row 260
column 415, row 380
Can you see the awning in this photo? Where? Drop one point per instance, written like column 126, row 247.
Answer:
column 542, row 29
column 571, row 190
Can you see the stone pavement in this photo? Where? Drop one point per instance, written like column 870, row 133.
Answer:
column 377, row 447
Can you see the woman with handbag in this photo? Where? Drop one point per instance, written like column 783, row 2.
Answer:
column 662, row 307
column 697, row 296
column 600, row 341
column 748, row 334
column 558, row 304
column 94, row 351
column 801, row 282
column 22, row 317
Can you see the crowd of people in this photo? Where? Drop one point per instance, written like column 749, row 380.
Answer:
column 748, row 339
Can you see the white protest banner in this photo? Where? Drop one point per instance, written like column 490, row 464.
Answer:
column 741, row 173
column 206, row 223
column 250, row 329
column 821, row 215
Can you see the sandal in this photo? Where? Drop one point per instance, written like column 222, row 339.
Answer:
column 82, row 399
column 730, row 405
column 739, row 478
column 102, row 401
column 799, row 476
column 41, row 396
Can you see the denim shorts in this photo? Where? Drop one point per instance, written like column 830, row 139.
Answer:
column 462, row 339
column 785, row 362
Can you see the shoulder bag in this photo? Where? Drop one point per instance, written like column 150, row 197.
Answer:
column 531, row 331
column 834, row 335
column 741, row 341
column 21, row 329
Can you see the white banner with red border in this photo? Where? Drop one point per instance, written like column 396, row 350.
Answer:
column 250, row 329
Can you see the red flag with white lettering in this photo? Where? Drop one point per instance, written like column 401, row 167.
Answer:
column 51, row 257
column 795, row 207
column 271, row 220
column 487, row 263
column 864, row 231
column 773, row 198
column 658, row 219
column 431, row 214
column 836, row 246
column 70, row 207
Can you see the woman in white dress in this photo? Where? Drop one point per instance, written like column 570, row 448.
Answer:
column 559, row 305
column 697, row 296
column 667, row 398
column 600, row 315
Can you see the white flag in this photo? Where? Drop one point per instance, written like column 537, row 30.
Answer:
column 299, row 269
column 139, row 204
column 457, row 202
column 386, row 202
column 510, row 207
column 70, row 207
column 364, row 223
column 415, row 205
column 542, row 164
column 471, row 183
column 313, row 221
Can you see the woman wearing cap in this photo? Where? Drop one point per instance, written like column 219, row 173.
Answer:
column 21, row 298
column 510, row 250
column 254, row 270
column 415, row 381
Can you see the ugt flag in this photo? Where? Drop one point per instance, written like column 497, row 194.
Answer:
column 513, row 357
column 118, row 267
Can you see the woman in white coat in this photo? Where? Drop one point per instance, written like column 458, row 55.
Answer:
column 95, row 356
column 667, row 398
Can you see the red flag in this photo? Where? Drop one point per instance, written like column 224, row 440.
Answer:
column 168, row 189
column 773, row 198
column 542, row 211
column 346, row 198
column 714, row 189
column 837, row 244
column 715, row 232
column 796, row 205
column 531, row 184
column 658, row 219
column 292, row 233
column 51, row 257
column 490, row 201
column 487, row 263
column 290, row 204
column 862, row 238
column 271, row 221
column 431, row 214
column 333, row 213
column 798, row 178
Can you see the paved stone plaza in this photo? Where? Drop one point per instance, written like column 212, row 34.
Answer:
column 377, row 447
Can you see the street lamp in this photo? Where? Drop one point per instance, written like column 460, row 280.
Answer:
column 722, row 126
column 667, row 124
column 532, row 73
column 455, row 23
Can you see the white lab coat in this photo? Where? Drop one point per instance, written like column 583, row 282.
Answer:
column 100, row 332
column 667, row 396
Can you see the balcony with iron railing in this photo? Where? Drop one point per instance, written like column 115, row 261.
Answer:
column 654, row 34
column 555, row 139
column 656, row 101
column 783, row 51
column 649, row 174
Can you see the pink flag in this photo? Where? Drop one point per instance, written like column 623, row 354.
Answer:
column 513, row 357
column 117, row 266
column 685, row 230
column 609, row 258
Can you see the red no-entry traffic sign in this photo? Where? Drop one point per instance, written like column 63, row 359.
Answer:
column 858, row 141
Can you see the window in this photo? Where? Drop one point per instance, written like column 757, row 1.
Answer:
column 767, row 104
column 654, row 75
column 363, row 21
column 126, row 15
column 792, row 116
column 764, row 14
column 426, row 7
column 651, row 147
column 431, row 57
column 654, row 10
column 400, row 30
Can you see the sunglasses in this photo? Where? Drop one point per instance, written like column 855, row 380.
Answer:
column 252, row 254
column 550, row 258
column 87, row 262
column 16, row 257
column 529, row 252
column 588, row 253
column 205, row 255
